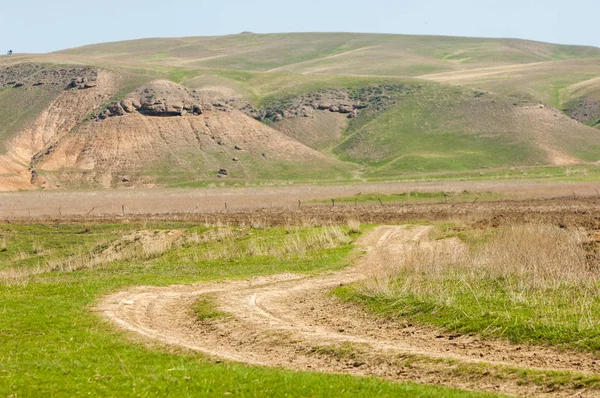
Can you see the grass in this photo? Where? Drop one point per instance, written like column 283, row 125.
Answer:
column 355, row 53
column 205, row 309
column 436, row 129
column 188, row 170
column 534, row 284
column 19, row 107
column 416, row 197
column 53, row 344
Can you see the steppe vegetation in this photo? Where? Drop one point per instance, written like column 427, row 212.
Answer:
column 532, row 283
column 478, row 275
column 519, row 282
column 53, row 343
column 353, row 107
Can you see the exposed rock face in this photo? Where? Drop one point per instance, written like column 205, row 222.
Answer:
column 37, row 75
column 81, row 83
column 345, row 101
column 586, row 111
column 160, row 98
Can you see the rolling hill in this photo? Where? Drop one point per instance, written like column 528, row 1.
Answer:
column 281, row 108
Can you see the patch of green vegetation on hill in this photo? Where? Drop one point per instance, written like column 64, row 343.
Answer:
column 335, row 53
column 437, row 128
column 191, row 170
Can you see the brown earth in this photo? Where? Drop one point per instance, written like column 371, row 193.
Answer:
column 47, row 131
column 130, row 145
column 289, row 321
column 279, row 204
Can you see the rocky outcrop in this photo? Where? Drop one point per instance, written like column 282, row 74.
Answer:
column 81, row 83
column 159, row 99
column 38, row 75
column 586, row 111
column 345, row 101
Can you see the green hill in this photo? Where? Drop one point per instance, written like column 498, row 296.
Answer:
column 276, row 108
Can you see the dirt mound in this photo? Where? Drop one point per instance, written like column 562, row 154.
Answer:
column 289, row 321
column 158, row 133
column 124, row 150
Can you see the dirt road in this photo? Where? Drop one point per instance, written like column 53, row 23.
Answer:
column 290, row 321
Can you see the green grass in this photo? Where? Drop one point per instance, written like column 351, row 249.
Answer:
column 53, row 343
column 491, row 311
column 206, row 309
column 528, row 173
column 189, row 170
column 359, row 54
column 25, row 247
column 524, row 304
column 463, row 196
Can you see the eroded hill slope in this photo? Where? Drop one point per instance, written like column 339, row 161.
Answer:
column 293, row 107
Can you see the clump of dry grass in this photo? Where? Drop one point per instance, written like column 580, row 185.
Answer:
column 535, row 256
column 523, row 257
column 139, row 245
column 540, row 267
column 353, row 226
column 524, row 260
column 295, row 242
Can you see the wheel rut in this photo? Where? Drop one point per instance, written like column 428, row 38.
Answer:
column 291, row 321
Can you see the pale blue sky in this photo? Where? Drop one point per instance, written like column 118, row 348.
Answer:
column 46, row 25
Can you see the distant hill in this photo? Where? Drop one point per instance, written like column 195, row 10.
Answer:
column 280, row 108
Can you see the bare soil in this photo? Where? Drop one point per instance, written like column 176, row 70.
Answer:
column 280, row 204
column 290, row 321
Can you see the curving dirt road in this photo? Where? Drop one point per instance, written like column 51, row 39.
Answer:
column 290, row 321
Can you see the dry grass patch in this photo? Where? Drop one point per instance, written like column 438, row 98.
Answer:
column 529, row 283
column 296, row 242
column 138, row 245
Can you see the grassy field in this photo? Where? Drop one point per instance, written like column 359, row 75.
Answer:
column 416, row 197
column 444, row 129
column 533, row 284
column 53, row 344
column 334, row 53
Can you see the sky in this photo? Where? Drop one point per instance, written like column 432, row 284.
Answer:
column 46, row 25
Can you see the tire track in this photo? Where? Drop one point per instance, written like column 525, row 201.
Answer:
column 290, row 321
